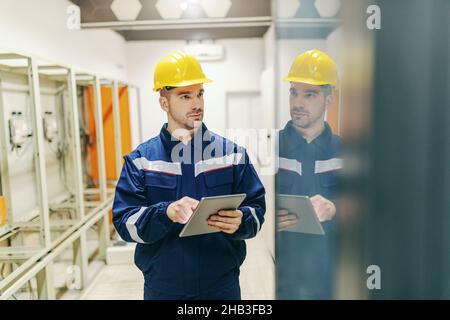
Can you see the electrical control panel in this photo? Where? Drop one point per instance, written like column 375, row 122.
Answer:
column 50, row 126
column 18, row 129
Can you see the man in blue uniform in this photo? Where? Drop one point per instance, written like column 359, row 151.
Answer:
column 309, row 164
column 161, row 184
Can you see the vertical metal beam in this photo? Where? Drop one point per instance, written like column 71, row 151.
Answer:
column 80, row 258
column 340, row 103
column 98, row 113
column 80, row 254
column 39, row 150
column 4, row 163
column 45, row 278
column 117, row 129
column 138, row 98
column 104, row 235
column 74, row 123
column 103, row 227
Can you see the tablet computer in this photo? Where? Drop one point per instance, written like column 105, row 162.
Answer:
column 308, row 222
column 208, row 206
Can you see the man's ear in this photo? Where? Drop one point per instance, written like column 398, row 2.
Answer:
column 164, row 103
column 328, row 100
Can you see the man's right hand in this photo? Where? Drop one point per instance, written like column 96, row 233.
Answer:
column 285, row 219
column 180, row 211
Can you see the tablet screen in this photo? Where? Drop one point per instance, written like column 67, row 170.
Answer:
column 308, row 222
column 207, row 207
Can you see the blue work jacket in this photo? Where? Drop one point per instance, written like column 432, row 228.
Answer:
column 163, row 170
column 305, row 262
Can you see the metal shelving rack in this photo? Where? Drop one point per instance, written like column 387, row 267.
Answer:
column 91, row 206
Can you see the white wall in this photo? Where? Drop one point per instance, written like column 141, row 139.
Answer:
column 142, row 57
column 39, row 28
column 334, row 45
column 240, row 71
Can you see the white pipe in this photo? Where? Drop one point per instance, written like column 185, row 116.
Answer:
column 12, row 87
column 180, row 24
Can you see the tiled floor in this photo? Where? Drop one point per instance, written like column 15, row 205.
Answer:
column 122, row 282
column 119, row 282
column 258, row 272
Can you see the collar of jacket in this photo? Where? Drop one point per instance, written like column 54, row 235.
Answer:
column 296, row 140
column 169, row 141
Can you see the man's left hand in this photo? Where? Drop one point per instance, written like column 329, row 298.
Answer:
column 227, row 221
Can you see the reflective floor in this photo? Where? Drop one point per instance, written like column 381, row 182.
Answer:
column 125, row 281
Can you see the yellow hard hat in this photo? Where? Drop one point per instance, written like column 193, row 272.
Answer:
column 178, row 70
column 313, row 67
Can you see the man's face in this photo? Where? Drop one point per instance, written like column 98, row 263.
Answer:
column 308, row 104
column 184, row 105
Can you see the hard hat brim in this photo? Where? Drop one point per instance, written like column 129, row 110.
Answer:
column 185, row 83
column 308, row 81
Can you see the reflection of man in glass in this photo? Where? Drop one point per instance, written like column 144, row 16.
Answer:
column 309, row 163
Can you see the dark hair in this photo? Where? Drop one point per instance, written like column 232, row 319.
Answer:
column 326, row 89
column 164, row 92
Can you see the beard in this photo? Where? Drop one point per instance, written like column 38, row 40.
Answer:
column 187, row 121
column 301, row 118
column 302, row 122
column 305, row 119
